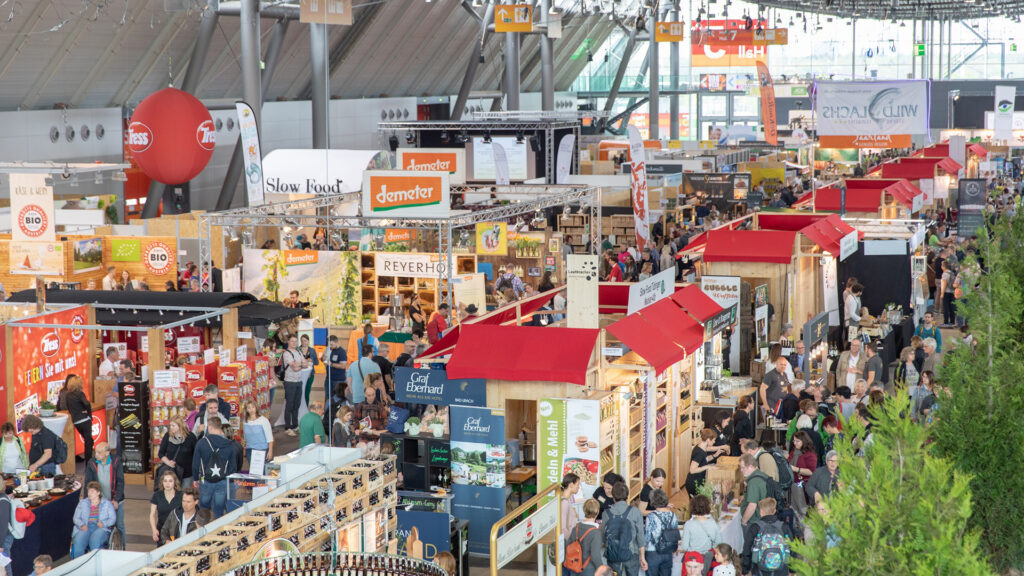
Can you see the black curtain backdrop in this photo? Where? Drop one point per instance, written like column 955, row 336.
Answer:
column 885, row 278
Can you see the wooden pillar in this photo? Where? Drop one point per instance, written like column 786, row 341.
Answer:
column 157, row 354
column 229, row 330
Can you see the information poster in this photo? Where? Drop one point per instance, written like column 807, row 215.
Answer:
column 492, row 238
column 725, row 291
column 31, row 209
column 569, row 434
column 432, row 531
column 36, row 258
column 970, row 203
column 423, row 386
column 471, row 289
column 478, row 470
column 133, row 414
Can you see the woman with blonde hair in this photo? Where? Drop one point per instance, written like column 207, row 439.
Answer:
column 257, row 431
column 341, row 430
column 176, row 450
column 445, row 561
column 906, row 374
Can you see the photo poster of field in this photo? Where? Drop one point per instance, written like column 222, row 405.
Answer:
column 88, row 255
column 478, row 470
column 328, row 280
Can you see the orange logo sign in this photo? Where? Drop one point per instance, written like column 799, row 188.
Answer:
column 430, row 161
column 394, row 192
column 297, row 257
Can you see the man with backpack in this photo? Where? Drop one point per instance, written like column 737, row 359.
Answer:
column 766, row 546
column 759, row 487
column 662, row 535
column 772, row 462
column 47, row 450
column 108, row 471
column 584, row 550
column 623, row 532
column 213, row 461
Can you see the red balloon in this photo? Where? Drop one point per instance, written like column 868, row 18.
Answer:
column 171, row 136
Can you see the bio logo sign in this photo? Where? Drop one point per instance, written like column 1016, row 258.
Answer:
column 50, row 344
column 395, row 192
column 206, row 135
column 125, row 250
column 32, row 221
column 77, row 333
column 158, row 258
column 140, row 137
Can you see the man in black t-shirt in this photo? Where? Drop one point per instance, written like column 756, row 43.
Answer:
column 44, row 442
column 407, row 355
column 337, row 366
column 386, row 367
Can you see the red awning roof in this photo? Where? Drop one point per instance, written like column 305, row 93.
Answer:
column 828, row 233
column 508, row 313
column 443, row 346
column 696, row 302
column 949, row 165
column 978, row 150
column 857, row 199
column 774, row 246
column 935, row 150
column 783, row 221
column 910, row 168
column 613, row 297
column 647, row 340
column 523, row 353
column 662, row 334
column 903, row 192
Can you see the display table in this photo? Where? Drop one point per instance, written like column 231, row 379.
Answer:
column 518, row 477
column 49, row 534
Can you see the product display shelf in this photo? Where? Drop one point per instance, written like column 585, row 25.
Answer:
column 378, row 292
column 662, row 422
column 578, row 226
column 609, row 427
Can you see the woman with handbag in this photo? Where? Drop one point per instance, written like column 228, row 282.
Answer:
column 803, row 458
column 175, row 453
column 164, row 501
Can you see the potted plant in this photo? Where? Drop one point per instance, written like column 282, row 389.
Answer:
column 436, row 426
column 46, row 409
column 412, row 426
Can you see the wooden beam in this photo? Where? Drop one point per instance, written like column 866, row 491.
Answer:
column 229, row 330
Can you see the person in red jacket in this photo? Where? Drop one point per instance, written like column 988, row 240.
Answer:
column 438, row 324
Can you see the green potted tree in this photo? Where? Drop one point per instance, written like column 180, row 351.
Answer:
column 46, row 409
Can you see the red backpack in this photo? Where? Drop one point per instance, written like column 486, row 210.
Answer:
column 574, row 552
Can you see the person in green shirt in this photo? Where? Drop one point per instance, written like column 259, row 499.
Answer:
column 311, row 426
column 757, row 489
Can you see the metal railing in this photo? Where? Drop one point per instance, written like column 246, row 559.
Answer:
column 537, row 501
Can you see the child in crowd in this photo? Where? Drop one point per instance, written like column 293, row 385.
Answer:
column 727, row 561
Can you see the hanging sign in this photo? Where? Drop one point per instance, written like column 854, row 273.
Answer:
column 669, row 31
column 768, row 115
column 450, row 160
column 31, row 208
column 406, row 264
column 513, row 18
column 638, row 181
column 422, row 386
column 250, row 134
column 646, row 292
column 1004, row 105
column 848, row 245
column 394, row 193
column 871, row 114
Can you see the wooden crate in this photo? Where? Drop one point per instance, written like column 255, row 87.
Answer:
column 306, row 501
column 257, row 529
column 156, row 572
column 199, row 561
column 360, row 467
column 241, row 539
column 390, row 491
column 360, row 506
column 357, row 480
column 317, row 543
column 221, row 550
column 284, row 515
column 389, row 466
column 343, row 512
column 322, row 487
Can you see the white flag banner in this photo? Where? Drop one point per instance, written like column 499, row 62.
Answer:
column 31, row 209
column 564, row 162
column 1004, row 105
column 253, row 159
column 638, row 187
column 501, row 177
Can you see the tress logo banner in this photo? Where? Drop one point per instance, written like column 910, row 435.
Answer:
column 871, row 114
column 31, row 208
column 406, row 193
column 450, row 160
column 206, row 135
column 140, row 137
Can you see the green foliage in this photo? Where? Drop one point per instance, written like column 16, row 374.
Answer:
column 981, row 398
column 275, row 269
column 350, row 303
column 898, row 510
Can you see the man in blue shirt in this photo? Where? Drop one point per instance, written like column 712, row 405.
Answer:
column 357, row 373
column 337, row 364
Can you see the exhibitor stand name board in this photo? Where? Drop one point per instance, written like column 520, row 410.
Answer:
column 396, row 193
column 720, row 321
column 422, row 386
column 407, row 265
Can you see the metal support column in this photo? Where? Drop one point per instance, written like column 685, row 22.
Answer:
column 547, row 81
column 234, row 172
column 913, row 58
column 321, row 99
column 652, row 79
column 207, row 26
column 853, row 52
column 511, row 71
column 942, row 40
column 471, row 65
column 613, row 91
column 673, row 64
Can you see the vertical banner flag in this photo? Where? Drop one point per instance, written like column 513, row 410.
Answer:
column 564, row 159
column 478, row 470
column 501, row 177
column 639, row 187
column 771, row 128
column 569, row 432
column 250, row 134
column 1004, row 105
column 970, row 204
column 31, row 209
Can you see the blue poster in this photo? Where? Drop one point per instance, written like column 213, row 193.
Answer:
column 432, row 529
column 422, row 386
column 478, row 470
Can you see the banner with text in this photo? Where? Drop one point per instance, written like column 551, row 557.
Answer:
column 1004, row 105
column 432, row 529
column 638, row 185
column 725, row 291
column 569, row 436
column 406, row 264
column 422, row 386
column 394, row 193
column 768, row 116
column 970, row 204
column 31, row 208
column 871, row 114
column 450, row 160
column 646, row 292
column 478, row 470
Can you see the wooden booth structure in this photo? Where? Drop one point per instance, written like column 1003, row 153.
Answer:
column 885, row 198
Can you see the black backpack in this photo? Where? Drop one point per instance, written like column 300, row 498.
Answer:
column 618, row 533
column 785, row 469
column 216, row 463
column 60, row 450
column 668, row 542
column 773, row 489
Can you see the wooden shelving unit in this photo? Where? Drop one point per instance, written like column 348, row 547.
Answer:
column 377, row 291
column 578, row 225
